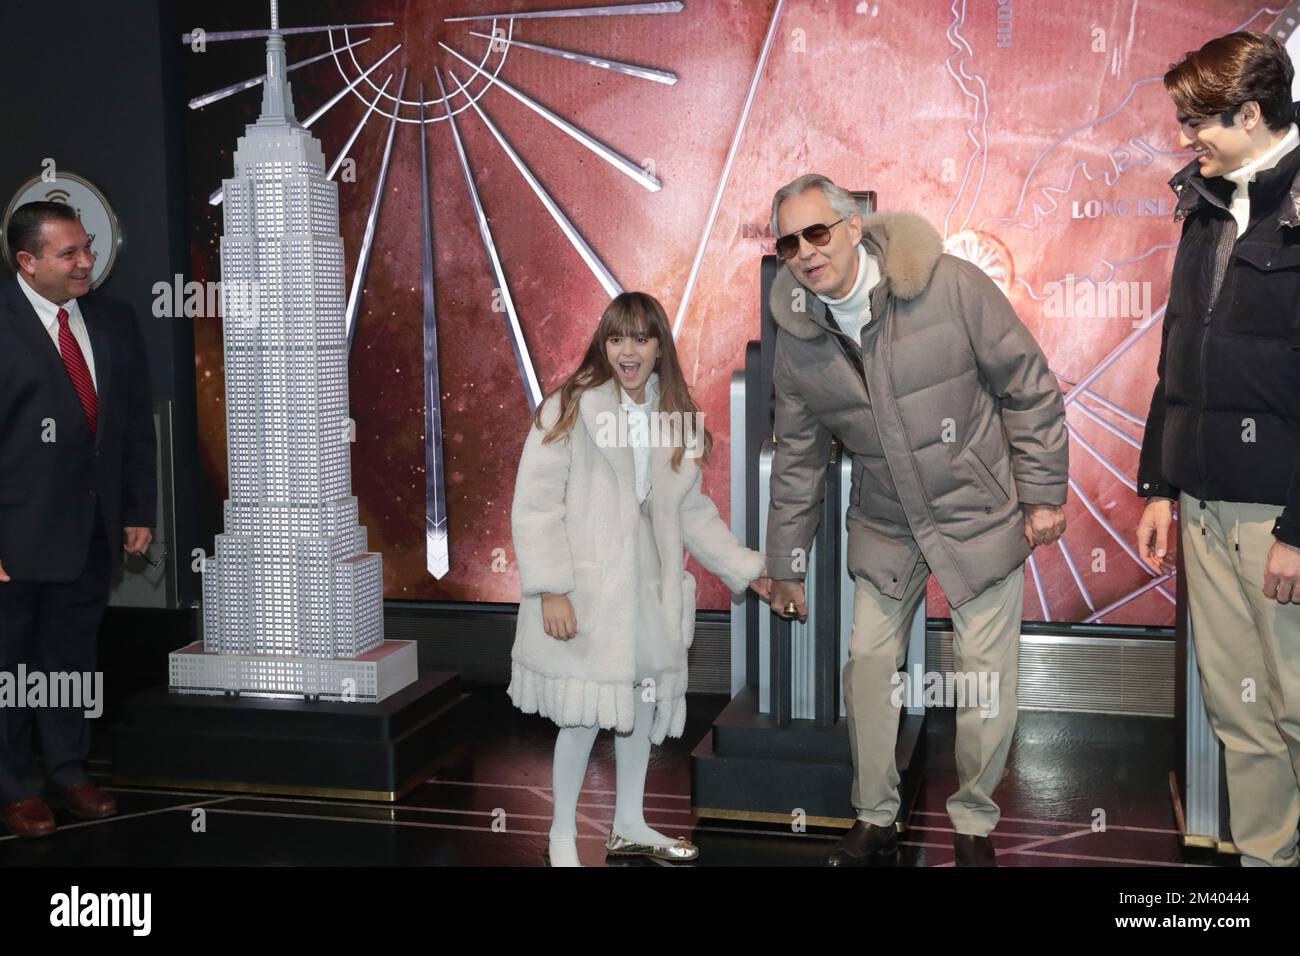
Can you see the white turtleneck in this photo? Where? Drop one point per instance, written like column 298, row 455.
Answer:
column 1243, row 177
column 638, row 432
column 853, row 311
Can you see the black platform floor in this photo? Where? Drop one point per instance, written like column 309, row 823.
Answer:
column 1068, row 774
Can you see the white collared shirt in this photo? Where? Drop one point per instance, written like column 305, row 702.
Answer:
column 48, row 312
column 1243, row 177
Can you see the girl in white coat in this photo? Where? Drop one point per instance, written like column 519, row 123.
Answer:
column 606, row 498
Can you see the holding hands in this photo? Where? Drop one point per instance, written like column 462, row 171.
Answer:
column 561, row 623
column 789, row 599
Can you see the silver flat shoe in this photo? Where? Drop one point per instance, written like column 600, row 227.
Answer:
column 683, row 851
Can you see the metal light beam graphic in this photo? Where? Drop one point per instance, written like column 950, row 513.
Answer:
column 368, row 240
column 343, row 153
column 618, row 161
column 437, row 554
column 189, row 38
column 588, row 255
column 523, row 360
column 628, row 69
column 615, row 10
column 208, row 98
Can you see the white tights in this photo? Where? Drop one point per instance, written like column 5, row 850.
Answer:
column 631, row 756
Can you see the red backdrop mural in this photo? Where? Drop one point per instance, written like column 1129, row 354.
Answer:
column 1035, row 136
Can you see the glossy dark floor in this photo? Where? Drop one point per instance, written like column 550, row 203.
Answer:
column 1068, row 774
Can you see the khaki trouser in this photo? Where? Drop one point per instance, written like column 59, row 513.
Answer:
column 1248, row 650
column 986, row 642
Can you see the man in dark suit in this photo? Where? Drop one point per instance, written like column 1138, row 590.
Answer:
column 77, row 488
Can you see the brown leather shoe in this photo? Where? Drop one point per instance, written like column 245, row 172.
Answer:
column 86, row 800
column 974, row 850
column 863, row 844
column 29, row 818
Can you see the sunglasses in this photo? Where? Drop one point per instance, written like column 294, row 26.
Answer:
column 787, row 247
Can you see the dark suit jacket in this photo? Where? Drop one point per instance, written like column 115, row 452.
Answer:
column 49, row 489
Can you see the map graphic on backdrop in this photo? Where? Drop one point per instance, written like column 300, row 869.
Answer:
column 637, row 146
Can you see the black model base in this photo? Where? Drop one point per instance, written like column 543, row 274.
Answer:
column 749, row 768
column 356, row 751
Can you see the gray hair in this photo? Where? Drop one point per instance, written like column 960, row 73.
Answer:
column 840, row 199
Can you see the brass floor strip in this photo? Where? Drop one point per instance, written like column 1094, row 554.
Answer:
column 227, row 786
column 763, row 816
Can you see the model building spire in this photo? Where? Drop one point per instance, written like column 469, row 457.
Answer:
column 277, row 95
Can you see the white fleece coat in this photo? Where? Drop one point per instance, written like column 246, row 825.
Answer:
column 575, row 520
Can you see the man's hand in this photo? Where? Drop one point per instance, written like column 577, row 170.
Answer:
column 785, row 592
column 1043, row 524
column 1282, row 574
column 4, row 576
column 558, row 619
column 136, row 540
column 1153, row 535
column 762, row 587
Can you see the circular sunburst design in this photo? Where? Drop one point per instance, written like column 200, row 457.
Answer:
column 986, row 251
column 390, row 106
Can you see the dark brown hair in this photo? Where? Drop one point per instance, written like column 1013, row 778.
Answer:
column 24, row 232
column 630, row 313
column 1231, row 70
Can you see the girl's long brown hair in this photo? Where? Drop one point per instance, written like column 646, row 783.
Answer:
column 629, row 314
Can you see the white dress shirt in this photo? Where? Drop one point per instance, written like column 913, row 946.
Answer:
column 48, row 312
column 1243, row 177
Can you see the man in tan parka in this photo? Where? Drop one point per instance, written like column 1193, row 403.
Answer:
column 918, row 364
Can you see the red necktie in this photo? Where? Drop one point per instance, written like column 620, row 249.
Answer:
column 78, row 370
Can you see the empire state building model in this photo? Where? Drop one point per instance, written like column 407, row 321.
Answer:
column 292, row 600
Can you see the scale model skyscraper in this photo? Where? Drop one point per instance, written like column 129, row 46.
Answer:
column 292, row 600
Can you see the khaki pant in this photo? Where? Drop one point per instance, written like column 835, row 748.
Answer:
column 986, row 642
column 1248, row 650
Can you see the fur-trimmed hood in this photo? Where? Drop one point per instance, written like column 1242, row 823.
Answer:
column 907, row 248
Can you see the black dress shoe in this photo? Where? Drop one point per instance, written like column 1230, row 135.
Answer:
column 974, row 850
column 864, row 844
